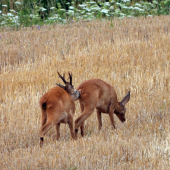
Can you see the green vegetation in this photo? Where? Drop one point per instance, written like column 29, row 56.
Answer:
column 16, row 13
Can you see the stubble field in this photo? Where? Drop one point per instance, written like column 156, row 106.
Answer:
column 130, row 54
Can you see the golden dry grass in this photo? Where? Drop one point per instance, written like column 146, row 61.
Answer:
column 130, row 54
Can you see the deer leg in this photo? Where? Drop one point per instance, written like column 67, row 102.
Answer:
column 81, row 119
column 111, row 110
column 43, row 118
column 70, row 123
column 99, row 117
column 58, row 130
column 82, row 129
column 44, row 130
column 82, row 125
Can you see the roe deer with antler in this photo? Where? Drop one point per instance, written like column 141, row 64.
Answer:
column 97, row 94
column 57, row 106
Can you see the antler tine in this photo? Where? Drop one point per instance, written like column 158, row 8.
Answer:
column 62, row 77
column 70, row 76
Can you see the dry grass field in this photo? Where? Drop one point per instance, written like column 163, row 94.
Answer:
column 130, row 54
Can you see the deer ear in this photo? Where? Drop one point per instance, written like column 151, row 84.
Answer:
column 126, row 98
column 60, row 85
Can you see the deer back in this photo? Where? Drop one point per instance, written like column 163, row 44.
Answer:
column 57, row 98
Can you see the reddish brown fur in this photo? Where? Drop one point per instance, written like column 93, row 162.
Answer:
column 57, row 106
column 97, row 94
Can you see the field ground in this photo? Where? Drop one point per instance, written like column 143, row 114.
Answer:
column 130, row 54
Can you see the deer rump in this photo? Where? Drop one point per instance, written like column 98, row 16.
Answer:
column 58, row 105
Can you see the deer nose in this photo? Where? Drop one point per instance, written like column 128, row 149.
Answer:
column 123, row 119
column 78, row 93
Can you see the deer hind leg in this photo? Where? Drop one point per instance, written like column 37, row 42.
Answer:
column 82, row 124
column 70, row 123
column 87, row 107
column 81, row 119
column 43, row 118
column 99, row 117
column 58, row 130
column 44, row 130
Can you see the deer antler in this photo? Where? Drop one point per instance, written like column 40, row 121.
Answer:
column 70, row 76
column 62, row 77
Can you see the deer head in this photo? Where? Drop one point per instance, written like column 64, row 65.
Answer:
column 120, row 109
column 69, row 88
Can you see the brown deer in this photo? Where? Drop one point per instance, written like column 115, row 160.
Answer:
column 97, row 94
column 57, row 106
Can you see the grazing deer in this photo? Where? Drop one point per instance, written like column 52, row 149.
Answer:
column 97, row 94
column 57, row 106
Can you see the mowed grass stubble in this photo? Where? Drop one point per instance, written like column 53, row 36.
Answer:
column 130, row 54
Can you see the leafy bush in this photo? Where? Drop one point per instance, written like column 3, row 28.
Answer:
column 34, row 12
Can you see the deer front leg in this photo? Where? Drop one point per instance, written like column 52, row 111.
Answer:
column 70, row 123
column 99, row 117
column 111, row 110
